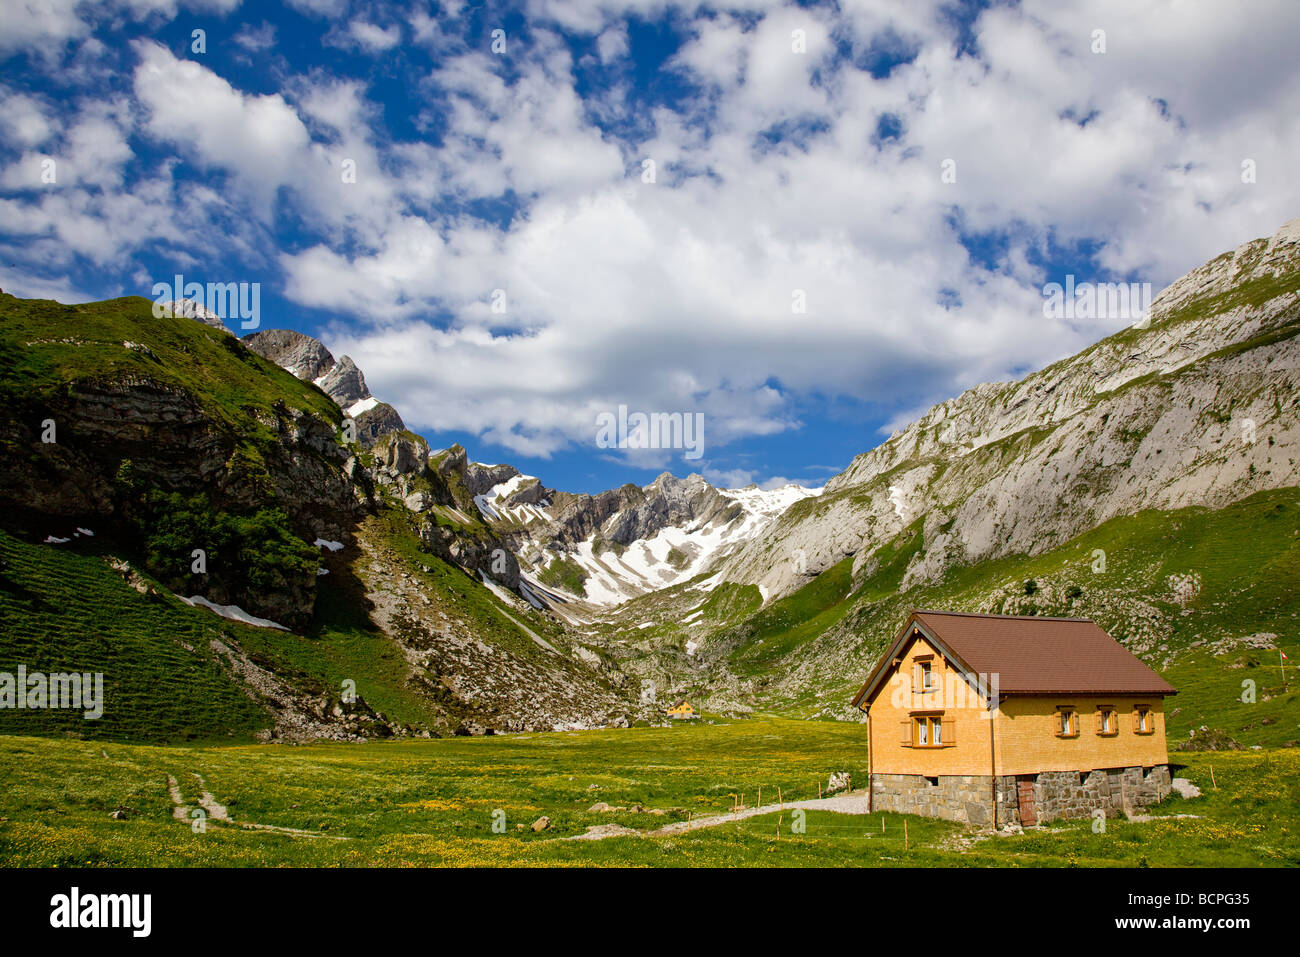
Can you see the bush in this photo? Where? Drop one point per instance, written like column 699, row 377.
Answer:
column 244, row 553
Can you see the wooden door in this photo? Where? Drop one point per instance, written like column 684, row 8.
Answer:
column 1025, row 798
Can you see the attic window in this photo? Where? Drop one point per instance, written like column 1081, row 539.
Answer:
column 924, row 677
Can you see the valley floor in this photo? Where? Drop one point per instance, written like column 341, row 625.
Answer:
column 435, row 803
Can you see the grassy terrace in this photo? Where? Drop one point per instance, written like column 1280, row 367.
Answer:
column 432, row 803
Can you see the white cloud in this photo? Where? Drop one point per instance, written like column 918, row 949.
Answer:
column 258, row 138
column 371, row 38
column 612, row 43
column 24, row 119
column 771, row 179
column 677, row 295
column 320, row 8
column 256, row 39
column 38, row 24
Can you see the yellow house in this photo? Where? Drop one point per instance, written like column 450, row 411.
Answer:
column 1002, row 719
column 683, row 710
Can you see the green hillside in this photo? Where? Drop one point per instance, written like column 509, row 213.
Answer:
column 46, row 347
column 1242, row 561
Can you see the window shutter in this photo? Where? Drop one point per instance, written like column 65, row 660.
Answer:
column 1137, row 719
column 917, row 686
column 1100, row 724
column 907, row 733
column 949, row 731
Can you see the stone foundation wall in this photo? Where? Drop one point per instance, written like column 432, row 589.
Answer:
column 1116, row 791
column 1057, row 794
column 953, row 797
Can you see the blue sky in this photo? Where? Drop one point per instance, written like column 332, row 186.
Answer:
column 799, row 152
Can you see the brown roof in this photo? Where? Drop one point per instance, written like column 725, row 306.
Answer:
column 1033, row 654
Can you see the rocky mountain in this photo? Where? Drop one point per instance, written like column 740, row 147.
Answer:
column 603, row 549
column 169, row 429
column 342, row 381
column 1198, row 407
column 148, row 457
column 1149, row 482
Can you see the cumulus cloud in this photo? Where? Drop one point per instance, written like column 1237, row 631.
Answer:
column 847, row 203
column 260, row 139
column 680, row 293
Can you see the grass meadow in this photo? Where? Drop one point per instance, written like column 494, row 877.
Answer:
column 434, row 803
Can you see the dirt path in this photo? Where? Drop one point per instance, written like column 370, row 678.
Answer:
column 854, row 802
column 218, row 812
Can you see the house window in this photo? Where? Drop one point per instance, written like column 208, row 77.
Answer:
column 1107, row 721
column 924, row 678
column 1067, row 723
column 1143, row 720
column 929, row 731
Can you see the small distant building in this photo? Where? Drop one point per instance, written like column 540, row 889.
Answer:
column 1002, row 719
column 682, row 711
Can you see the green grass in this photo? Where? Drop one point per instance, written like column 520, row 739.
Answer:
column 45, row 346
column 62, row 608
column 565, row 573
column 787, row 623
column 432, row 803
column 62, row 611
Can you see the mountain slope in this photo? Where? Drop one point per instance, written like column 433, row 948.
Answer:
column 1197, row 409
column 1149, row 482
column 146, row 456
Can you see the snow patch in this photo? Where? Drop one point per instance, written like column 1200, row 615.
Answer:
column 233, row 612
column 362, row 405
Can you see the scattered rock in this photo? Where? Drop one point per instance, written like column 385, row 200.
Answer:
column 1209, row 739
column 541, row 824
